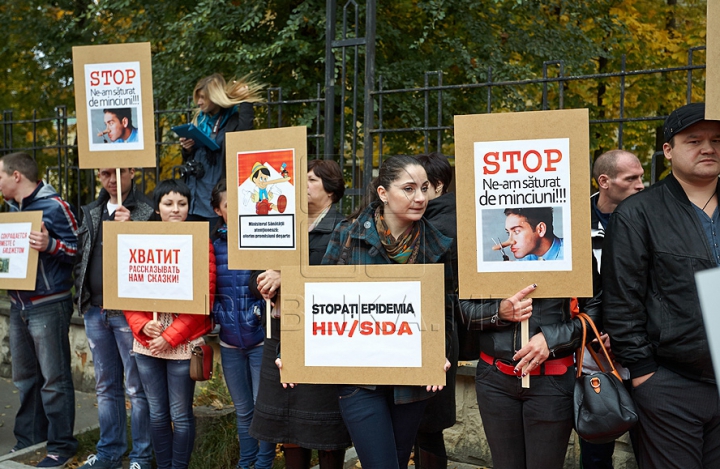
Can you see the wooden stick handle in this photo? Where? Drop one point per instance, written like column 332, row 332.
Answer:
column 119, row 186
column 524, row 339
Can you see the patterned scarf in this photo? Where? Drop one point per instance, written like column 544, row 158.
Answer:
column 403, row 250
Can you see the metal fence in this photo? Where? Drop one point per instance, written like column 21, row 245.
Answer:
column 387, row 121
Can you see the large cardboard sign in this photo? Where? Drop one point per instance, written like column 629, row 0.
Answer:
column 267, row 174
column 712, row 72
column 374, row 324
column 152, row 266
column 114, row 105
column 523, row 186
column 707, row 282
column 18, row 261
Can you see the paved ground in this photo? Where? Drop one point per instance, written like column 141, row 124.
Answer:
column 85, row 413
column 85, row 416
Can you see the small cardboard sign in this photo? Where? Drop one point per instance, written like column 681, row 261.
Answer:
column 18, row 261
column 707, row 282
column 373, row 324
column 152, row 266
column 712, row 72
column 114, row 105
column 267, row 175
column 524, row 177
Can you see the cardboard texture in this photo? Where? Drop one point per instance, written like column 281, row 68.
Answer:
column 561, row 186
column 712, row 72
column 165, row 233
column 432, row 327
column 29, row 255
column 253, row 222
column 116, row 76
column 707, row 282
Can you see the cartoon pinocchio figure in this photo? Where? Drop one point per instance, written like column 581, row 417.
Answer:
column 263, row 196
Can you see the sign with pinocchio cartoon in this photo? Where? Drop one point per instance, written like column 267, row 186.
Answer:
column 266, row 199
column 266, row 179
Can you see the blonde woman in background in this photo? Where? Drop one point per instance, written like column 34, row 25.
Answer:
column 221, row 108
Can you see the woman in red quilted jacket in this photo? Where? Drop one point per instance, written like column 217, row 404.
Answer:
column 163, row 348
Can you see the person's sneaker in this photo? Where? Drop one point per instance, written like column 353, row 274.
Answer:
column 140, row 465
column 93, row 462
column 53, row 460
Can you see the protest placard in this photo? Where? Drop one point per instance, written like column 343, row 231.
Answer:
column 267, row 173
column 151, row 266
column 374, row 324
column 18, row 261
column 523, row 184
column 114, row 105
column 712, row 72
column 707, row 282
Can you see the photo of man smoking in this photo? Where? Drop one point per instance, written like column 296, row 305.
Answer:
column 118, row 126
column 531, row 235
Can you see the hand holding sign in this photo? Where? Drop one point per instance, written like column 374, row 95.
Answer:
column 39, row 240
column 122, row 213
column 153, row 328
column 278, row 363
column 517, row 308
column 269, row 283
column 533, row 354
column 439, row 387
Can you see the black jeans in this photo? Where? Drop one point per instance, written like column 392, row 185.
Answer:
column 678, row 422
column 525, row 428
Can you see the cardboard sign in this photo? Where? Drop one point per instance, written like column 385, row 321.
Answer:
column 152, row 266
column 712, row 72
column 18, row 261
column 522, row 184
column 114, row 105
column 707, row 282
column 267, row 174
column 374, row 324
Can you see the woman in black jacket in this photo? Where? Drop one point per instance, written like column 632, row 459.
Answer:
column 527, row 427
column 306, row 416
column 222, row 108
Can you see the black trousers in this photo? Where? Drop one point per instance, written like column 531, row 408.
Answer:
column 525, row 428
column 678, row 422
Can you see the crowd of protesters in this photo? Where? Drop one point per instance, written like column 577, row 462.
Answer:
column 647, row 246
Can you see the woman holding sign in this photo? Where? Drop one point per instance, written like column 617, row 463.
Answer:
column 306, row 416
column 527, row 427
column 383, row 420
column 222, row 107
column 163, row 348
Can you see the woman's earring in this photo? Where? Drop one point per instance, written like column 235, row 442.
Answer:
column 384, row 202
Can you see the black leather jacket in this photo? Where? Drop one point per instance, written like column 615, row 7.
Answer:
column 551, row 316
column 654, row 246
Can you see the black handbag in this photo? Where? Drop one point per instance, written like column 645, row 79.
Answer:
column 603, row 408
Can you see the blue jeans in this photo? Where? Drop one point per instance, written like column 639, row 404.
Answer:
column 242, row 375
column 40, row 352
column 111, row 342
column 525, row 427
column 383, row 432
column 169, row 392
